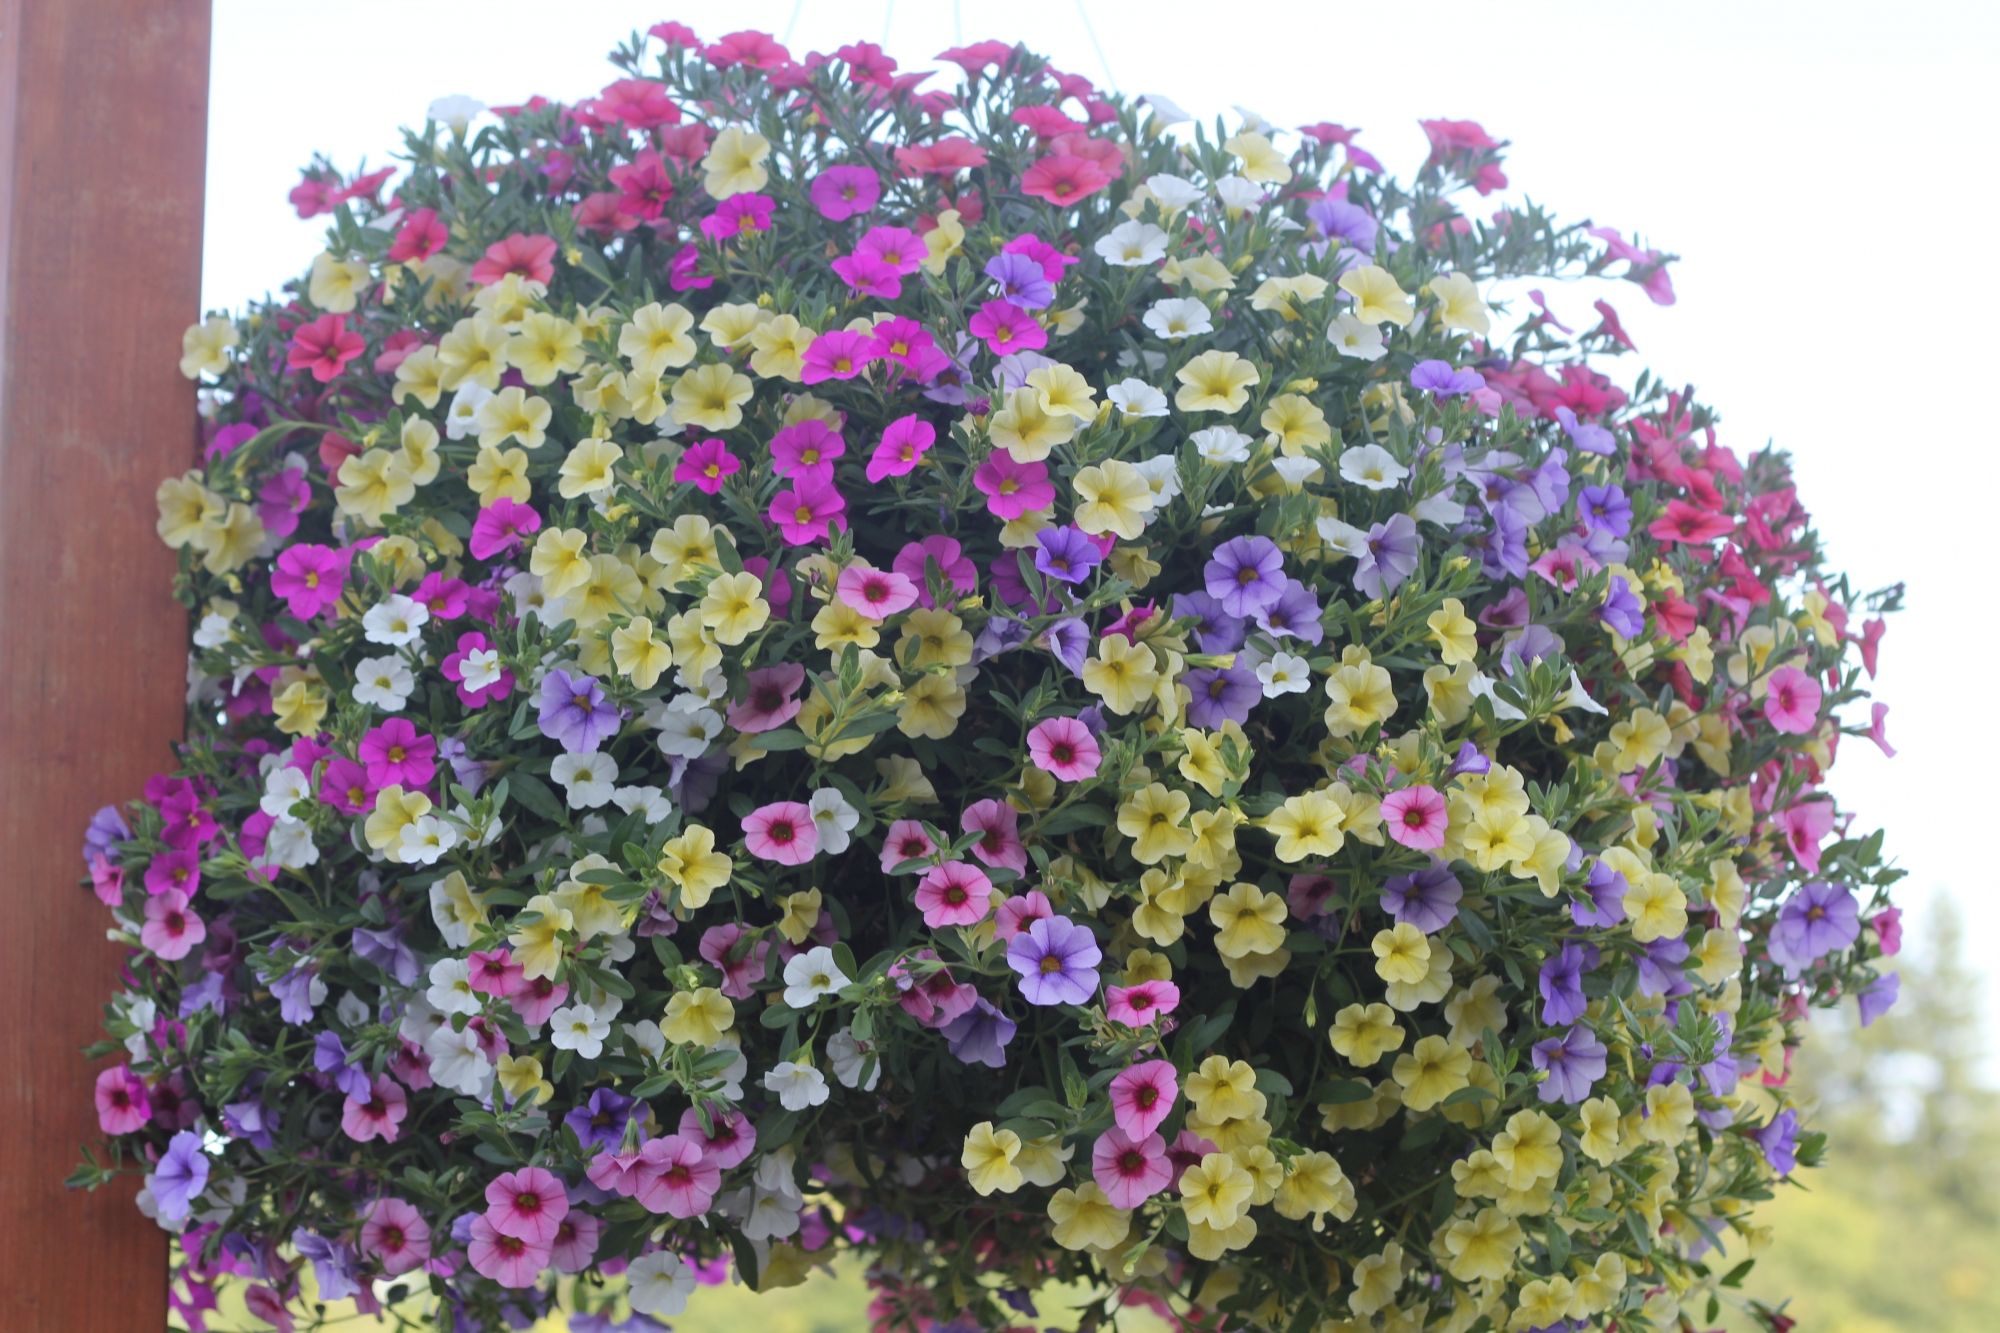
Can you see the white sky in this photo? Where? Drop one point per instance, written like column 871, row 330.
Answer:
column 1825, row 170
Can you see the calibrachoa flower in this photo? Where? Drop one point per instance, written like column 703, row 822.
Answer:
column 953, row 894
column 1064, row 747
column 1057, row 959
column 783, row 832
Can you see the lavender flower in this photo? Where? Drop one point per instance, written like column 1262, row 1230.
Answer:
column 1391, row 556
column 999, row 636
column 1219, row 693
column 600, row 1122
column 1586, row 435
column 1550, row 481
column 1215, row 629
column 330, row 1057
column 1573, row 1062
column 1623, row 612
column 1438, row 378
column 179, row 1178
column 574, row 712
column 385, row 949
column 1020, row 279
column 1065, row 553
column 1246, row 574
column 1294, row 615
column 1814, row 922
column 1057, row 959
column 1427, row 899
column 1503, row 548
column 1068, row 641
column 1337, row 219
column 250, row 1121
column 1607, row 889
column 1780, row 1142
column 1562, row 984
column 1469, row 760
column 979, row 1036
column 1660, row 969
column 107, row 829
column 1878, row 997
column 332, row 1261
column 1605, row 509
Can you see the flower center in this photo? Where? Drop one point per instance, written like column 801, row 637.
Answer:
column 1050, row 963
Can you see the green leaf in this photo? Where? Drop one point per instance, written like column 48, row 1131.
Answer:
column 1470, row 1094
column 1341, row 1091
column 532, row 792
column 782, row 739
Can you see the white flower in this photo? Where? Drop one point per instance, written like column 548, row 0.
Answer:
column 588, row 779
column 1238, row 194
column 1578, row 697
column 1295, row 471
column 775, row 1173
column 421, row 1020
column 462, row 417
column 351, row 1009
column 810, row 975
column 646, row 1035
column 659, row 1283
column 1178, row 317
column 834, row 818
column 650, row 801
column 1440, row 509
column 526, row 590
column 290, row 844
column 456, row 111
column 475, row 832
column 1222, row 444
column 1174, row 192
column 481, row 668
column 1163, row 473
column 284, row 788
column 798, row 1086
column 1167, row 111
column 849, row 1057
column 140, row 1013
column 384, row 682
column 1352, row 336
column 688, row 735
column 1286, row 673
column 772, row 1217
column 729, row 1079
column 395, row 620
column 1130, row 244
column 423, row 842
column 1154, row 361
column 1372, row 466
column 579, row 1028
column 457, row 1062
column 1343, row 537
column 1136, row 398
column 450, row 991
column 602, row 1003
column 1254, row 123
column 214, row 631
column 1482, row 688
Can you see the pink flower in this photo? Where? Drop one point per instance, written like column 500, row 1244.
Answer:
column 739, row 215
column 1005, row 327
column 644, row 185
column 444, row 598
column 501, row 526
column 528, row 1204
column 172, row 929
column 1013, row 488
column 869, row 276
column 397, row 755
column 903, row 444
column 940, row 157
column 576, row 1242
column 1888, row 924
column 741, row 961
column 1130, row 1170
column 1045, row 120
column 1561, row 565
column 733, row 1140
column 420, row 237
column 380, row 1117
column 494, row 972
column 875, row 593
column 1063, row 746
column 508, row 1260
column 807, row 513
column 675, row 1177
column 537, row 999
column 1015, row 915
column 758, row 50
column 837, row 355
column 935, row 1000
column 175, row 869
column 805, row 452
column 1138, row 1006
column 324, row 346
column 1792, row 701
column 957, row 568
column 997, row 825
column 616, row 1171
column 453, row 669
column 1187, row 1149
column 1062, row 179
column 310, row 578
column 1416, row 817
column 907, row 841
column 1877, row 715
column 1143, row 1096
column 107, row 879
column 533, row 257
column 640, row 103
column 395, row 1233
column 900, row 340
column 782, row 831
column 898, row 248
column 1805, row 826
column 706, row 465
column 122, row 1103
column 1871, row 643
column 953, row 894
column 770, row 703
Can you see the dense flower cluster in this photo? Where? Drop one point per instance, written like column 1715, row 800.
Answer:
column 788, row 664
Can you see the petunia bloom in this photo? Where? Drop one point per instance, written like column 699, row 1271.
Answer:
column 1143, row 1096
column 1064, row 747
column 1056, row 959
column 782, row 831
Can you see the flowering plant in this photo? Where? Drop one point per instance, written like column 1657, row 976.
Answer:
column 786, row 664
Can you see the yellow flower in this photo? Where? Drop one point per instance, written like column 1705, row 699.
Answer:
column 1634, row 742
column 336, row 284
column 474, row 352
column 558, row 560
column 780, row 348
column 1530, row 1148
column 419, row 373
column 1362, row 696
column 837, row 624
column 1059, row 391
column 734, row 164
column 1261, row 160
column 588, row 468
column 1450, row 691
column 712, row 397
column 1459, row 306
column 1482, row 1246
column 1433, row 1070
column 637, row 654
column 591, row 913
column 656, row 339
column 1377, row 298
column 1364, row 1035
column 1496, row 837
column 1123, row 674
column 1215, row 841
column 734, row 608
column 513, row 414
column 931, row 707
column 544, row 346
column 1543, row 1304
column 698, row 1017
column 1247, row 920
column 1223, row 1089
column 1402, row 953
column 1307, row 825
column 940, row 637
column 300, row 706
column 1215, row 381
column 988, row 1159
column 1153, row 818
column 1313, row 1185
column 185, row 509
column 1113, row 497
column 537, row 945
column 1454, row 632
column 727, row 325
column 496, row 473
column 1216, row 1191
column 1600, row 1119
column 1669, row 1114
column 1474, row 1009
column 613, row 588
column 1296, row 423
column 205, row 346
column 692, row 862
column 943, row 241
column 1598, row 1286
column 694, row 648
column 1656, row 907
column 522, row 1080
column 688, row 546
column 420, row 451
column 1205, row 273
column 373, row 484
column 1202, row 763
column 1084, row 1219
column 394, row 810
column 1025, row 430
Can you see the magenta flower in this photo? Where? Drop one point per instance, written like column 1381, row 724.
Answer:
column 481, row 680
column 185, row 821
column 324, row 346
column 445, row 599
column 282, row 499
column 897, row 247
column 741, row 960
column 501, row 526
column 998, row 827
column 494, row 972
column 1064, row 747
column 906, row 841
column 172, row 929
column 1416, row 817
column 508, row 1260
column 345, row 787
column 1878, row 716
column 732, row 1142
column 1005, row 327
column 954, row 894
column 875, row 593
column 905, row 342
column 675, row 1177
column 739, row 215
column 867, row 275
column 1137, row 1006
column 1015, row 915
column 805, row 452
column 706, row 464
column 782, row 831
column 122, row 1103
column 952, row 562
column 840, row 193
column 1013, row 488
column 1130, row 1170
column 807, row 513
column 397, row 755
column 395, row 1233
column 770, row 703
column 1143, row 1096
column 1057, row 960
column 903, row 444
column 837, row 355
column 310, row 578
column 527, row 1204
column 681, row 274
column 175, row 868
column 1792, row 701
column 380, row 1116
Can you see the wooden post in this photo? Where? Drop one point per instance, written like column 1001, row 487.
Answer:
column 103, row 128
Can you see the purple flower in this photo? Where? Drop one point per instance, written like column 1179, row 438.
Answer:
column 1586, row 435
column 1012, row 588
column 1780, row 1142
column 1562, row 984
column 1533, row 643
column 1437, row 377
column 1660, row 968
column 295, row 995
column 180, row 1177
column 1605, row 509
column 1427, row 899
column 385, row 949
column 1573, row 1063
column 1069, row 640
column 330, row 1057
column 211, row 992
column 1295, row 615
column 1503, row 549
column 1020, row 279
column 1814, row 922
column 1220, row 693
column 692, row 782
column 600, row 1122
column 1469, row 760
column 1338, row 219
column 1878, row 997
column 575, row 713
column 979, row 1036
column 1000, row 635
column 1623, row 612
column 1215, row 629
column 1550, row 481
column 248, row 1120
column 1391, row 556
column 1607, row 888
column 1064, row 553
column 107, row 829
column 332, row 1261
column 1057, row 960
column 470, row 772
column 1246, row 574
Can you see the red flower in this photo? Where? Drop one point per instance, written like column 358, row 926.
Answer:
column 603, row 215
column 1684, row 523
column 645, row 185
column 533, row 257
column 324, row 347
column 675, row 34
column 420, row 237
column 1064, row 180
column 866, row 63
column 978, row 57
column 639, row 103
column 944, row 157
column 1456, row 136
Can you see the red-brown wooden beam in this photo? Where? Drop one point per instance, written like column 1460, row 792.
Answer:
column 103, row 128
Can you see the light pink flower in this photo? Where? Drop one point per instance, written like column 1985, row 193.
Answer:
column 395, row 1233
column 954, row 894
column 906, row 841
column 508, row 1260
column 1806, row 826
column 998, row 827
column 539, row 998
column 527, row 1203
column 122, row 1102
column 616, row 1171
column 1064, row 747
column 1017, row 914
column 172, row 929
column 380, row 1117
column 782, row 831
column 494, row 972
column 1143, row 1096
column 742, row 965
column 1140, row 1005
column 875, row 593
column 1792, row 701
column 1416, row 817
column 1877, row 715
column 770, row 703
column 1130, row 1170
column 676, row 1178
column 733, row 1140
column 576, row 1242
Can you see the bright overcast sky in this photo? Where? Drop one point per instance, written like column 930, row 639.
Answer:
column 1825, row 171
